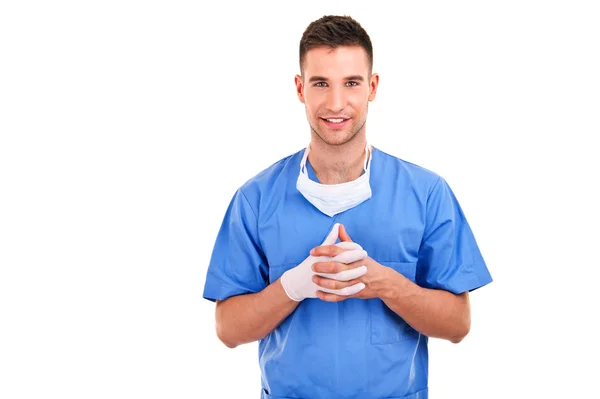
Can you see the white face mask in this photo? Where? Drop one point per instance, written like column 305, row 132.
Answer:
column 332, row 199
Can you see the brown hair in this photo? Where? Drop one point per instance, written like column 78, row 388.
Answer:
column 334, row 31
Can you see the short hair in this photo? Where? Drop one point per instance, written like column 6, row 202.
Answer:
column 335, row 31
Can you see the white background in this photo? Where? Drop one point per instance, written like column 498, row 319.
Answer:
column 127, row 126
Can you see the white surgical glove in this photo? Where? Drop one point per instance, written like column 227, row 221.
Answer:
column 298, row 284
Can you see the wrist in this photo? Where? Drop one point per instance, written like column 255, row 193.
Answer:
column 284, row 283
column 396, row 286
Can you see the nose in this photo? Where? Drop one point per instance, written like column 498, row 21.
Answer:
column 335, row 100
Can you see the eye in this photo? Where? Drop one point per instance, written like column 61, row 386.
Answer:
column 352, row 83
column 320, row 84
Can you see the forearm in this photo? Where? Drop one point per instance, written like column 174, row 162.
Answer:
column 246, row 318
column 434, row 313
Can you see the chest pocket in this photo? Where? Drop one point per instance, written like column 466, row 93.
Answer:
column 386, row 326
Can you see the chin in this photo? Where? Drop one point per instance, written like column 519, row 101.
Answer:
column 334, row 137
column 338, row 138
column 335, row 141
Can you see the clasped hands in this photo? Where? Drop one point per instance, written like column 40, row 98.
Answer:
column 334, row 272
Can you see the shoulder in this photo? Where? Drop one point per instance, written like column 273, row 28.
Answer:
column 407, row 173
column 273, row 177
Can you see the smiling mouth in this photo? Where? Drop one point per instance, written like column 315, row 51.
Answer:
column 335, row 123
column 334, row 120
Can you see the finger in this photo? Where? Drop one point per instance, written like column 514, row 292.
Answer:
column 339, row 295
column 333, row 235
column 325, row 267
column 338, row 249
column 329, row 285
column 351, row 290
column 348, row 245
column 350, row 256
column 350, row 274
column 347, row 274
column 328, row 297
column 328, row 290
column 321, row 268
column 344, row 234
column 327, row 250
column 320, row 259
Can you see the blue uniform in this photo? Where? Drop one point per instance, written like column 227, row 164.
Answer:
column 356, row 348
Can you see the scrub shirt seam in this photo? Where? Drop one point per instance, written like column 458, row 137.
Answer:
column 427, row 202
column 398, row 261
column 250, row 205
column 280, row 265
column 257, row 241
column 425, row 230
column 255, row 218
column 439, row 178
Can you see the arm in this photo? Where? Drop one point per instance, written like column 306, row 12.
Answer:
column 434, row 313
column 246, row 318
column 249, row 317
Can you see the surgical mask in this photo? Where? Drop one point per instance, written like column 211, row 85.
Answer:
column 332, row 199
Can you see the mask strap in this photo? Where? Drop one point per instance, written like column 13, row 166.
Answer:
column 304, row 158
column 368, row 157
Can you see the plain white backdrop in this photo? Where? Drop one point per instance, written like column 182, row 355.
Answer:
column 126, row 127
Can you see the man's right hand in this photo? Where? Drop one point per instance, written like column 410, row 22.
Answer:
column 298, row 284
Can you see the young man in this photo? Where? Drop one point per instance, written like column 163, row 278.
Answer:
column 347, row 319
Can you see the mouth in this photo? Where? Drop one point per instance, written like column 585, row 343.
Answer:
column 335, row 123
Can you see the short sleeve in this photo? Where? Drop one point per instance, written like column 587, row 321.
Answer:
column 237, row 264
column 449, row 257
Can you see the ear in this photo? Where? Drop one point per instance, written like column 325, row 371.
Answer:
column 373, row 86
column 299, row 88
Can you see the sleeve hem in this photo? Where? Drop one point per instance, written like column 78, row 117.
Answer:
column 467, row 282
column 478, row 281
column 220, row 290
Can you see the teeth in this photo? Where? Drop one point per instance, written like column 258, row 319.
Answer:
column 334, row 120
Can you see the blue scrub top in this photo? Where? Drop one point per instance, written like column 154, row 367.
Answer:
column 357, row 348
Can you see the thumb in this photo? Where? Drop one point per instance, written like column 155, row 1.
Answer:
column 333, row 235
column 344, row 234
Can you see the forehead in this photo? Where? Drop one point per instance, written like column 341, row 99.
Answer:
column 336, row 62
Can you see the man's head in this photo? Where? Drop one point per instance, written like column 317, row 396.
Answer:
column 336, row 81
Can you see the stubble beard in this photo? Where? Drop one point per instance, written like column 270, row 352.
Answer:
column 346, row 140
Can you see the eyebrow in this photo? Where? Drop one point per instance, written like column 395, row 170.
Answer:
column 323, row 79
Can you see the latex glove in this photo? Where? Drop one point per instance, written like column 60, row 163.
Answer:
column 298, row 284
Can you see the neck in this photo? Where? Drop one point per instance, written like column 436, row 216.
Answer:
column 335, row 164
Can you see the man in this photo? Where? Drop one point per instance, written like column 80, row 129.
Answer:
column 348, row 319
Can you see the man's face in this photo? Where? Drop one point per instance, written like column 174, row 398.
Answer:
column 336, row 88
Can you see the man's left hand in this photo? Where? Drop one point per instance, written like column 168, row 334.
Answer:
column 378, row 279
